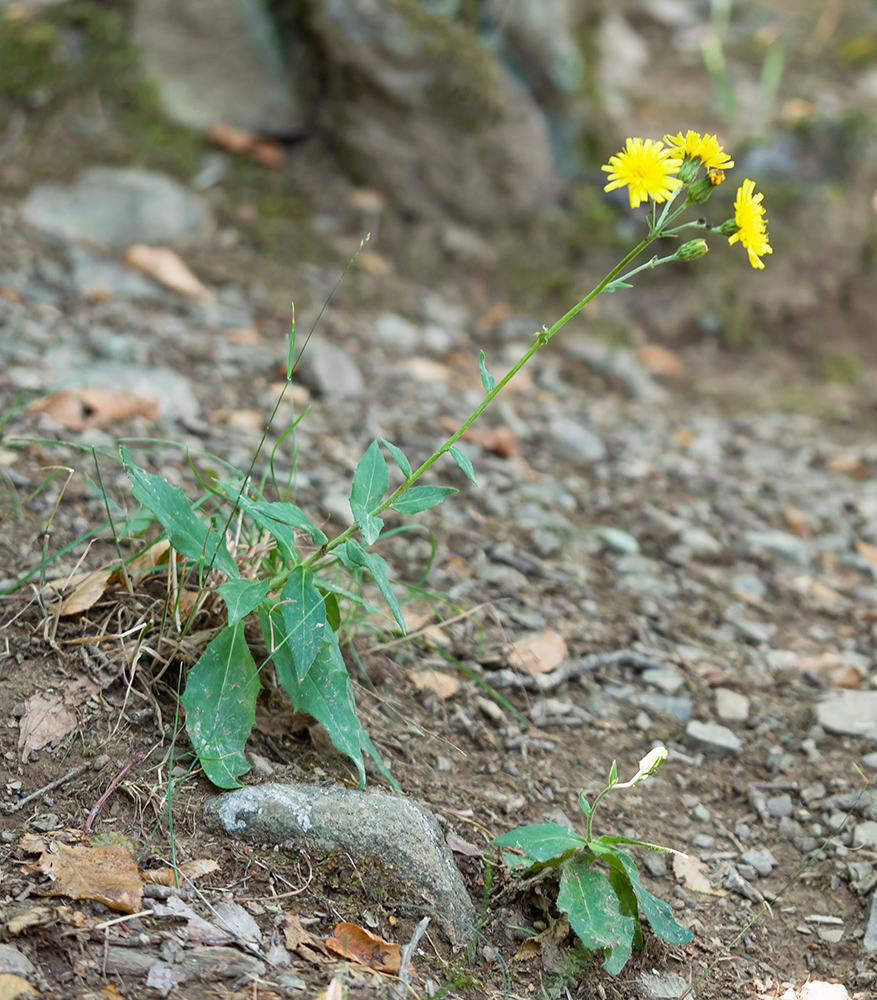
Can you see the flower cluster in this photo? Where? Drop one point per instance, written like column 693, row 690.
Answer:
column 658, row 171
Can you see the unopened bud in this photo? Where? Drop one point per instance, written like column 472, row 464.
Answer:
column 651, row 763
column 688, row 170
column 700, row 191
column 692, row 250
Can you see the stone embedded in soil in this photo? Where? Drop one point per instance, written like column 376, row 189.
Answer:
column 118, row 207
column 397, row 833
column 13, row 963
column 865, row 834
column 761, row 860
column 849, row 713
column 573, row 441
column 711, row 739
column 664, row 985
column 731, row 706
column 780, row 545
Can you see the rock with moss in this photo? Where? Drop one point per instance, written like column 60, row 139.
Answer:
column 420, row 108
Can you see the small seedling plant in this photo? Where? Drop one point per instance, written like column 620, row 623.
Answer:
column 604, row 905
column 281, row 578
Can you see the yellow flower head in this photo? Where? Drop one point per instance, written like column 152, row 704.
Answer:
column 646, row 168
column 750, row 220
column 705, row 148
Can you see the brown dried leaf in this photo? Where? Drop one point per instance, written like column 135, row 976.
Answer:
column 268, row 152
column 461, row 846
column 501, row 441
column 867, row 552
column 530, row 948
column 539, row 654
column 46, row 719
column 444, row 685
column 12, row 987
column 359, row 945
column 298, row 939
column 427, row 370
column 167, row 268
column 661, row 361
column 78, row 409
column 197, row 930
column 106, row 874
column 86, row 593
column 691, row 871
column 190, row 869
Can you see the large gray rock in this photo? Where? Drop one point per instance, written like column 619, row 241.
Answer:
column 217, row 61
column 380, row 832
column 423, row 110
column 118, row 207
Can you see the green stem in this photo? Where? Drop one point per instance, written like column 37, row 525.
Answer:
column 541, row 340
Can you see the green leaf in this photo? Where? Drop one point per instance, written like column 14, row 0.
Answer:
column 616, row 286
column 287, row 513
column 613, row 774
column 370, row 482
column 464, row 462
column 545, row 842
column 658, row 913
column 333, row 609
column 242, row 596
column 595, row 914
column 377, row 567
column 627, row 903
column 191, row 536
column 583, row 803
column 348, row 595
column 325, row 694
column 398, row 457
column 304, row 619
column 220, row 704
column 419, row 498
column 487, row 380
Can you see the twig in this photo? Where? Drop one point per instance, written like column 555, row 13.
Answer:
column 573, row 668
column 114, row 784
column 405, row 959
column 48, row 788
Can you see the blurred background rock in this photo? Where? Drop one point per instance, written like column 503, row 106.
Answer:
column 467, row 135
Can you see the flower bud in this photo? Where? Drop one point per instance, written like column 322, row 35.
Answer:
column 700, row 191
column 691, row 250
column 651, row 763
column 688, row 170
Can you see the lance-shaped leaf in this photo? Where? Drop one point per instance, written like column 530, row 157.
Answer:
column 377, row 566
column 487, row 380
column 399, row 457
column 325, row 694
column 465, row 463
column 192, row 536
column 304, row 619
column 220, row 704
column 420, row 498
column 370, row 482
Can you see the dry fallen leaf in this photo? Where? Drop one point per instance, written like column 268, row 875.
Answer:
column 867, row 552
column 12, row 987
column 444, row 685
column 356, row 943
column 78, row 409
column 539, row 654
column 427, row 370
column 46, row 720
column 796, row 521
column 501, row 441
column 86, row 593
column 334, row 991
column 461, row 846
column 247, row 419
column 268, row 152
column 106, row 874
column 167, row 268
column 530, row 948
column 661, row 361
column 190, row 869
column 298, row 939
column 691, row 871
column 493, row 317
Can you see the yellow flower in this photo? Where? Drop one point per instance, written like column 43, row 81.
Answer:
column 750, row 220
column 646, row 168
column 705, row 148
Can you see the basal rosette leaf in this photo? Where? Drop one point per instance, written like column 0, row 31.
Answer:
column 595, row 914
column 542, row 843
